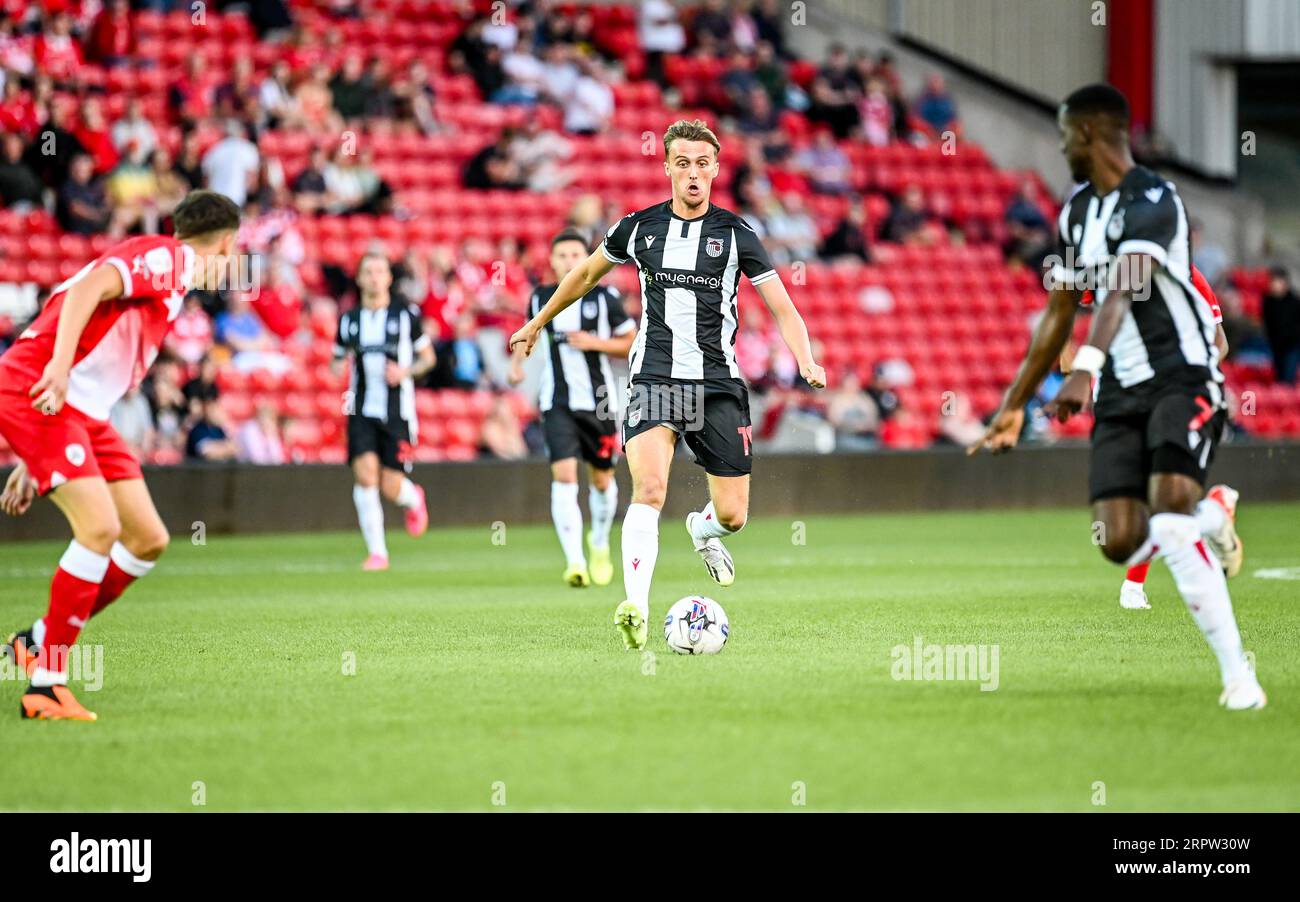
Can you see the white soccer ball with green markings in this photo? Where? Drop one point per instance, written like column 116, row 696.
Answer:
column 696, row 625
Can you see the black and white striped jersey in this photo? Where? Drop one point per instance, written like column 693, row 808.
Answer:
column 571, row 378
column 690, row 269
column 1167, row 340
column 373, row 337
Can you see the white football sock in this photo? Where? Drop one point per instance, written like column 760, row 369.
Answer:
column 640, row 550
column 370, row 516
column 1209, row 517
column 707, row 526
column 1200, row 581
column 38, row 631
column 407, row 495
column 45, row 678
column 603, row 507
column 567, row 517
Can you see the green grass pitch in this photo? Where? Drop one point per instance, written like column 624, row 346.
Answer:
column 480, row 679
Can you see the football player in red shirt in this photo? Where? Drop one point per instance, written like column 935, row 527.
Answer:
column 93, row 342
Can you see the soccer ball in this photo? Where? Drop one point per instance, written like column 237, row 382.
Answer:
column 696, row 625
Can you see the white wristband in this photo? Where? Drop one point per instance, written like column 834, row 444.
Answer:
column 1089, row 360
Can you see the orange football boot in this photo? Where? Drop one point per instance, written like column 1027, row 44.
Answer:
column 53, row 703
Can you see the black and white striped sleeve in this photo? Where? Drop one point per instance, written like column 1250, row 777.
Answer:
column 619, row 322
column 618, row 238
column 340, row 338
column 1066, row 272
column 419, row 338
column 1151, row 224
column 754, row 261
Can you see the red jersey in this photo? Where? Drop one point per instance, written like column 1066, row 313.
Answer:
column 123, row 335
column 1199, row 282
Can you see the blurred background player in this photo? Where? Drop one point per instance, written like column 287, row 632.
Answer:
column 93, row 342
column 580, row 408
column 685, row 381
column 389, row 351
column 1219, row 530
column 1159, row 401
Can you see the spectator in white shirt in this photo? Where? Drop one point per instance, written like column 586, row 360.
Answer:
column 276, row 96
column 231, row 165
column 134, row 127
column 659, row 33
column 591, row 103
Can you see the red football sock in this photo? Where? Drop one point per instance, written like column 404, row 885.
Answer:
column 72, row 595
column 124, row 568
column 115, row 582
column 1138, row 572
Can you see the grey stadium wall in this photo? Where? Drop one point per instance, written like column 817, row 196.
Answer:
column 250, row 499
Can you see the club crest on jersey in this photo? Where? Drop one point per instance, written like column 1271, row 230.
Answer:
column 75, row 454
column 589, row 309
column 1115, row 227
column 713, row 247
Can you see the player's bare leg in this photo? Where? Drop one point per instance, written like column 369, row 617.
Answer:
column 88, row 506
column 567, row 517
column 370, row 510
column 649, row 459
column 400, row 489
column 143, row 540
column 1123, row 524
column 724, row 515
column 603, row 501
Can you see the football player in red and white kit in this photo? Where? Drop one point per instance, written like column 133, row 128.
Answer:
column 92, row 343
column 1217, row 511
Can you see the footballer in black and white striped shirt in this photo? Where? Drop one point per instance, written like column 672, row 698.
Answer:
column 1150, row 368
column 386, row 343
column 580, row 405
column 690, row 255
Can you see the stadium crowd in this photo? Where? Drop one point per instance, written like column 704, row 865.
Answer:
column 117, row 175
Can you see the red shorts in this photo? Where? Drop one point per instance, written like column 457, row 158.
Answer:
column 68, row 445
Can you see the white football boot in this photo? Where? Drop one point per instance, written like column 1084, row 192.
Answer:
column 1225, row 543
column 714, row 555
column 1244, row 695
column 1133, row 596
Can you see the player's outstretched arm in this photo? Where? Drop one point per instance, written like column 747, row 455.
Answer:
column 793, row 330
column 1077, row 390
column 614, row 346
column 580, row 280
column 103, row 283
column 1050, row 336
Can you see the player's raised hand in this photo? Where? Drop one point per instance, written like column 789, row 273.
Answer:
column 51, row 390
column 526, row 337
column 18, row 493
column 1002, row 433
column 1072, row 398
column 813, row 374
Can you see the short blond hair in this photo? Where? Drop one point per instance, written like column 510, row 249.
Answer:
column 690, row 130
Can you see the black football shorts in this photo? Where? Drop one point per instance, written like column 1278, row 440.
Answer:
column 712, row 416
column 581, row 433
column 1178, row 435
